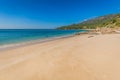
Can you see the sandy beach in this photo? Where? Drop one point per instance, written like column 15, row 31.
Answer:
column 82, row 57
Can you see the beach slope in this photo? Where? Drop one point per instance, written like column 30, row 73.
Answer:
column 82, row 57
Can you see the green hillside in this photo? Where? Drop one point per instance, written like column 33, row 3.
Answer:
column 111, row 21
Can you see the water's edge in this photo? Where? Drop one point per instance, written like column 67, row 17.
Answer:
column 26, row 42
column 33, row 42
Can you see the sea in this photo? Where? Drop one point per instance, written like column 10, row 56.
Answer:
column 13, row 36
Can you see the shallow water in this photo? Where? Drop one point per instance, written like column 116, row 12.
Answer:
column 9, row 36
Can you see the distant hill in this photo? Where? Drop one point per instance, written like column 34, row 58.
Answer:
column 111, row 21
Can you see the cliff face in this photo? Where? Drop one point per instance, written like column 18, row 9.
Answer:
column 107, row 21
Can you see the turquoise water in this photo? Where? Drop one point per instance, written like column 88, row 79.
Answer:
column 9, row 36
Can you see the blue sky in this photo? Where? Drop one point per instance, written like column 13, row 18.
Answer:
column 44, row 14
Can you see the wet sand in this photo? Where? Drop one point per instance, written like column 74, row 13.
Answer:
column 75, row 58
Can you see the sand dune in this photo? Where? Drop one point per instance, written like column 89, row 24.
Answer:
column 74, row 58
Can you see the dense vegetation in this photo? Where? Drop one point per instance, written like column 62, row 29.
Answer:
column 112, row 20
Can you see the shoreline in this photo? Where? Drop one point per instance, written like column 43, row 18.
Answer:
column 31, row 42
column 4, row 47
column 28, row 36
